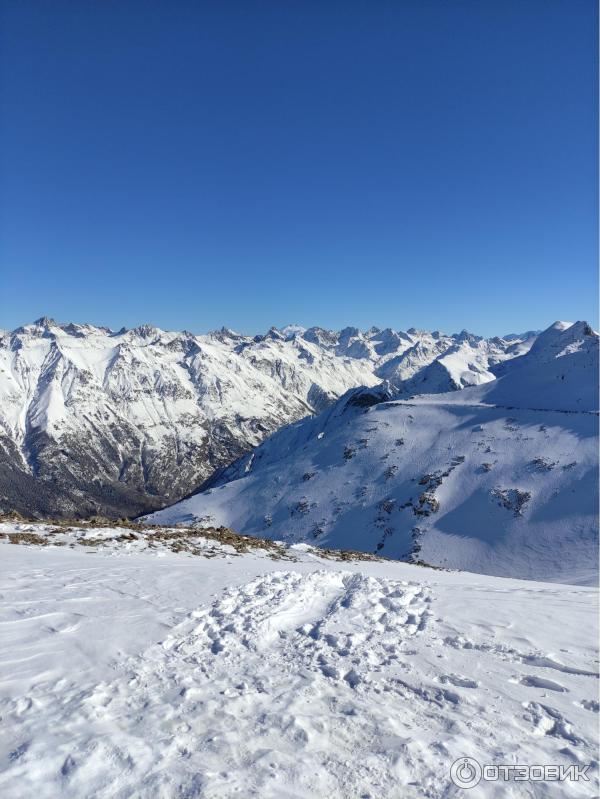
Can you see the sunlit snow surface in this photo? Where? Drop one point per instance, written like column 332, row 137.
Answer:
column 499, row 478
column 129, row 671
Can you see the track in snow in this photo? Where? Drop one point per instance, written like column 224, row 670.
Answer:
column 306, row 683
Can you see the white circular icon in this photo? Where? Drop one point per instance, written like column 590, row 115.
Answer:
column 465, row 772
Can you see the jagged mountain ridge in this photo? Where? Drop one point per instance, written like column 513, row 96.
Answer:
column 499, row 478
column 94, row 421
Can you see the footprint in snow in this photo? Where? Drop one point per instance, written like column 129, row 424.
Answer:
column 458, row 681
column 549, row 721
column 589, row 704
column 533, row 681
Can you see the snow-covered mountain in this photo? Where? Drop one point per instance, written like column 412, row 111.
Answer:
column 119, row 423
column 500, row 478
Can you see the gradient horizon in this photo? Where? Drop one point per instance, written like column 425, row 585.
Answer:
column 193, row 165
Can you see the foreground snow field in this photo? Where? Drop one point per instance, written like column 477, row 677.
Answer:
column 131, row 671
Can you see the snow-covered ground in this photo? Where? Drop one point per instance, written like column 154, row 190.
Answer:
column 131, row 670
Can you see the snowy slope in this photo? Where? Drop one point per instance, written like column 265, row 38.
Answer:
column 117, row 423
column 480, row 479
column 561, row 372
column 155, row 674
column 431, row 366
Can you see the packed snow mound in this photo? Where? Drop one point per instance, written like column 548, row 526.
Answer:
column 456, row 480
column 118, row 423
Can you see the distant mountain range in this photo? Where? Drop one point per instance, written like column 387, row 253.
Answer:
column 94, row 421
column 499, row 478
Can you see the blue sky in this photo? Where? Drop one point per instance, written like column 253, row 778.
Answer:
column 190, row 164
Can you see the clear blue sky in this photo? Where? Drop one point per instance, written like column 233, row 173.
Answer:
column 193, row 164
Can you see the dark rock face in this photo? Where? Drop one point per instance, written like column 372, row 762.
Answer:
column 94, row 422
column 80, row 476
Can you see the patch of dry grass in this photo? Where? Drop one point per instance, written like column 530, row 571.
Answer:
column 27, row 538
column 179, row 538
